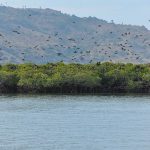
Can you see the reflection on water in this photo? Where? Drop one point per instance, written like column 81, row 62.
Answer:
column 74, row 122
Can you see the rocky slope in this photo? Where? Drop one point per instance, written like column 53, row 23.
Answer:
column 45, row 35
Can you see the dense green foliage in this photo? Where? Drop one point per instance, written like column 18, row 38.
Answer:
column 75, row 78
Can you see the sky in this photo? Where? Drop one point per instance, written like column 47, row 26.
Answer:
column 135, row 12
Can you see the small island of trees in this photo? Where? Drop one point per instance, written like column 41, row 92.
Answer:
column 74, row 78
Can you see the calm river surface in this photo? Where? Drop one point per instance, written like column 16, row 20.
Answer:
column 74, row 122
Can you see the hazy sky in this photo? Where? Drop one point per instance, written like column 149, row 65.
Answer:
column 126, row 11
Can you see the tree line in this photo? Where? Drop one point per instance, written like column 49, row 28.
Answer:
column 74, row 78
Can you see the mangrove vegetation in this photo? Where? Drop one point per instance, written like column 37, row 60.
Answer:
column 74, row 78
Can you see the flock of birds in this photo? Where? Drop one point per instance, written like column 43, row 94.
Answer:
column 71, row 49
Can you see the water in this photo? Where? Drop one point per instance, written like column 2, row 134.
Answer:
column 74, row 122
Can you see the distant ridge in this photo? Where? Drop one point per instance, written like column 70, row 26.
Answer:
column 45, row 35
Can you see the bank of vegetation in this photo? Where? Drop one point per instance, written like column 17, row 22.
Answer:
column 74, row 78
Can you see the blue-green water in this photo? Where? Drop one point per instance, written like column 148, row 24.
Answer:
column 74, row 122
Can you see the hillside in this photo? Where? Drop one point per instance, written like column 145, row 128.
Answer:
column 45, row 35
